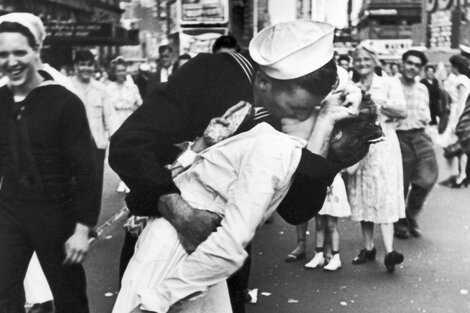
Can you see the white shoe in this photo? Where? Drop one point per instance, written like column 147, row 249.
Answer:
column 334, row 264
column 317, row 260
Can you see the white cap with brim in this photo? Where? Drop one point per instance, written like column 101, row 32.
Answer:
column 30, row 21
column 464, row 49
column 293, row 49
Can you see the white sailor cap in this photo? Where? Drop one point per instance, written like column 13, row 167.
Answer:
column 30, row 21
column 464, row 50
column 293, row 49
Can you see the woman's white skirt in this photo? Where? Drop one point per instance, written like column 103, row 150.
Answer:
column 157, row 253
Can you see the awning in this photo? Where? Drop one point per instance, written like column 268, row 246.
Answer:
column 99, row 34
column 77, row 4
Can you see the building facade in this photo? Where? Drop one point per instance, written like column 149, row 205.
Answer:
column 389, row 26
column 448, row 23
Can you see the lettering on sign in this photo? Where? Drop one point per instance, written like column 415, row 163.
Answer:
column 78, row 29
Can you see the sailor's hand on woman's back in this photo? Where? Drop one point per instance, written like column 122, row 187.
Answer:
column 193, row 226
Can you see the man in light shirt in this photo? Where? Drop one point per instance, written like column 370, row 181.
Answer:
column 420, row 170
column 100, row 111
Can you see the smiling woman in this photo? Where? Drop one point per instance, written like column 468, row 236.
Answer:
column 375, row 184
column 45, row 143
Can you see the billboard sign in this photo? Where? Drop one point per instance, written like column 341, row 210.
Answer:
column 194, row 12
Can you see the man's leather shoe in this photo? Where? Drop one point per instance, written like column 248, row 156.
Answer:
column 402, row 234
column 365, row 256
column 415, row 231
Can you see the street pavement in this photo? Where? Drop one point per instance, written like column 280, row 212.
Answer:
column 434, row 278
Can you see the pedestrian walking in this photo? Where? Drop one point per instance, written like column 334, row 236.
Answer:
column 420, row 170
column 458, row 89
column 434, row 91
column 375, row 184
column 46, row 161
column 99, row 108
column 124, row 95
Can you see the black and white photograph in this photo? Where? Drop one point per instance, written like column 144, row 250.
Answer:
column 234, row 156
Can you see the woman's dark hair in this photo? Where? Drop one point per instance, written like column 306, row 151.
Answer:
column 319, row 82
column 13, row 27
column 461, row 64
column 356, row 135
column 164, row 48
column 225, row 41
column 415, row 53
column 344, row 58
column 84, row 56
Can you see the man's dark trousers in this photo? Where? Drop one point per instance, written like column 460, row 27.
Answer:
column 43, row 227
column 420, row 170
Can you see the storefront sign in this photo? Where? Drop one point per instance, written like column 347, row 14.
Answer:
column 203, row 12
column 90, row 34
column 78, row 30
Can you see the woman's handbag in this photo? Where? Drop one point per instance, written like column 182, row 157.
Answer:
column 453, row 150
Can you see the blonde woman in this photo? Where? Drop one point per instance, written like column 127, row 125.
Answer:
column 375, row 184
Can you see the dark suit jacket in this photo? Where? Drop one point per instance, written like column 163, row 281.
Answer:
column 154, row 81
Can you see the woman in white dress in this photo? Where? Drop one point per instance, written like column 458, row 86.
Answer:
column 458, row 87
column 375, row 184
column 125, row 97
column 221, row 181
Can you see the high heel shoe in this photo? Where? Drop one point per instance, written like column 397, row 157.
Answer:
column 460, row 183
column 299, row 253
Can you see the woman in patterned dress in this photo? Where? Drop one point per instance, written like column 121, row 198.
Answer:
column 375, row 184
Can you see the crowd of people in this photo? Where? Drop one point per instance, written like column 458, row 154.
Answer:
column 206, row 158
column 390, row 185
